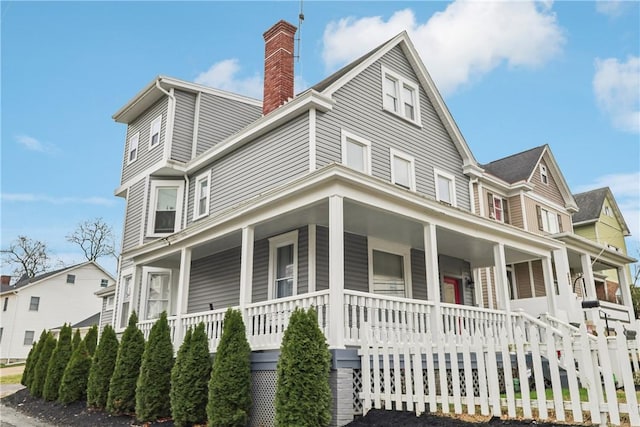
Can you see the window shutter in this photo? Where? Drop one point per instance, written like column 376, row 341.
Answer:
column 492, row 213
column 560, row 224
column 505, row 211
column 539, row 213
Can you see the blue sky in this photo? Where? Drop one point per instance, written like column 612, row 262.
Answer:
column 514, row 75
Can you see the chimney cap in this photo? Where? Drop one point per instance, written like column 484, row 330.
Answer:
column 281, row 25
column 5, row 279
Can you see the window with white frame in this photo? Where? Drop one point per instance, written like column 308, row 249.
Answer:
column 544, row 177
column 104, row 283
column 607, row 211
column 110, row 300
column 445, row 187
column 154, row 132
column 202, row 192
column 28, row 337
column 71, row 279
column 389, row 268
column 283, row 265
column 126, row 284
column 548, row 221
column 400, row 96
column 165, row 214
column 34, row 304
column 498, row 208
column 356, row 152
column 132, row 156
column 158, row 292
column 403, row 169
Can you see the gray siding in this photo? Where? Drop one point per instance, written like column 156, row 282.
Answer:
column 303, row 260
column 215, row 279
column 142, row 124
column 221, row 118
column 106, row 315
column 133, row 215
column 418, row 275
column 322, row 258
column 267, row 162
column 356, row 264
column 182, row 143
column 358, row 109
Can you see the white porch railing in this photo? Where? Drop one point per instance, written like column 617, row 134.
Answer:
column 146, row 325
column 472, row 320
column 212, row 325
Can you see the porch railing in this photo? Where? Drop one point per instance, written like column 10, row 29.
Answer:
column 457, row 318
column 212, row 325
column 146, row 325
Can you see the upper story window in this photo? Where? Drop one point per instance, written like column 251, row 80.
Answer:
column 548, row 221
column 403, row 169
column 154, row 132
column 165, row 214
column 132, row 156
column 400, row 96
column 607, row 211
column 445, row 187
column 71, row 278
column 28, row 337
column 104, row 283
column 283, row 265
column 544, row 177
column 356, row 152
column 34, row 304
column 201, row 207
column 498, row 208
column 389, row 268
column 110, row 300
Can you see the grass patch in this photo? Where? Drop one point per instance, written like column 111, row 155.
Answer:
column 11, row 379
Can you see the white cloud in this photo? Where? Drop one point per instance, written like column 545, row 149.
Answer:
column 41, row 198
column 459, row 44
column 224, row 75
column 617, row 89
column 32, row 144
column 611, row 8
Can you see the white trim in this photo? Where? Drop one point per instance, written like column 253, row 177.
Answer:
column 196, row 125
column 452, row 179
column 491, row 290
column 145, row 206
column 168, row 133
column 155, row 184
column 156, row 122
column 401, row 83
column 196, row 199
column 130, row 143
column 312, row 139
column 412, row 167
column 346, row 137
column 117, row 312
column 144, row 290
column 514, row 283
column 544, row 174
column 472, row 194
column 110, row 306
column 502, row 199
column 524, row 212
column 531, row 279
column 404, row 251
column 290, row 238
column 480, row 197
column 552, row 205
column 311, row 257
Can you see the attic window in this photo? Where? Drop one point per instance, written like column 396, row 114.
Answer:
column 543, row 175
column 71, row 278
column 400, row 96
column 607, row 211
column 104, row 283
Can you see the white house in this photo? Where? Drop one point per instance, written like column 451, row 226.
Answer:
column 47, row 301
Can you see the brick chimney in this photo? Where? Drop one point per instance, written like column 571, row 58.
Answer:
column 5, row 280
column 278, row 65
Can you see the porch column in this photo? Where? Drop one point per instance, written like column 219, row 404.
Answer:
column 135, row 299
column 183, row 295
column 433, row 275
column 565, row 292
column 587, row 274
column 336, row 272
column 549, row 286
column 502, row 283
column 624, row 283
column 246, row 268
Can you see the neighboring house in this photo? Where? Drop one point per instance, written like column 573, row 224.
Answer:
column 47, row 301
column 358, row 196
column 83, row 326
column 107, row 296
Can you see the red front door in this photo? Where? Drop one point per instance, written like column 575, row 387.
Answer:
column 451, row 291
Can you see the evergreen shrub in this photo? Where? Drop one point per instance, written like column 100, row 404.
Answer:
column 57, row 364
column 102, row 366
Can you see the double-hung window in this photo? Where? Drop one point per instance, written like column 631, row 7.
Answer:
column 445, row 187
column 158, row 293
column 110, row 300
column 127, row 282
column 548, row 221
column 165, row 215
column 202, row 192
column 389, row 268
column 132, row 155
column 402, row 169
column 544, row 177
column 28, row 337
column 356, row 152
column 34, row 304
column 400, row 96
column 154, row 132
column 283, row 265
column 498, row 208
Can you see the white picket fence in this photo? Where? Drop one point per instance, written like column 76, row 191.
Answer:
column 544, row 373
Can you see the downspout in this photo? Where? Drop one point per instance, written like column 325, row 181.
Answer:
column 185, row 201
column 171, row 109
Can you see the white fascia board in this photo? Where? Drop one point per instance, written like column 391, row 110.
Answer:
column 282, row 115
column 582, row 244
column 509, row 190
column 123, row 114
column 570, row 202
column 173, row 165
column 195, row 87
column 538, row 198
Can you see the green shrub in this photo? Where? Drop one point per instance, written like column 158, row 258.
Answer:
column 73, row 386
column 57, row 364
column 76, row 340
column 230, row 386
column 154, row 382
column 91, row 340
column 190, row 379
column 104, row 361
column 303, row 395
column 122, row 386
column 32, row 360
column 40, row 372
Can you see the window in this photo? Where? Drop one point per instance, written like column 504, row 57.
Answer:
column 110, row 300
column 543, row 174
column 498, row 208
column 166, row 203
column 154, row 132
column 6, row 304
column 548, row 221
column 400, row 96
column 158, row 290
column 127, row 281
column 34, row 304
column 104, row 283
column 356, row 152
column 133, row 148
column 445, row 187
column 607, row 211
column 403, row 170
column 201, row 207
column 389, row 268
column 283, row 265
column 28, row 337
column 71, row 278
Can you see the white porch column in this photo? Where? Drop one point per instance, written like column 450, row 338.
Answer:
column 587, row 274
column 311, row 257
column 624, row 283
column 502, row 284
column 183, row 295
column 549, row 285
column 336, row 272
column 246, row 268
column 433, row 274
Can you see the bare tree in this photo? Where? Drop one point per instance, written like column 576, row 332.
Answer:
column 95, row 238
column 26, row 256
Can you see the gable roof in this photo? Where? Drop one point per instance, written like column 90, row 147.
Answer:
column 590, row 204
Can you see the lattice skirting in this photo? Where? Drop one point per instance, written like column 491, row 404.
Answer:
column 263, row 393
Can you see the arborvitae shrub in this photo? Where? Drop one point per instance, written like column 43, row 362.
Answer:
column 76, row 340
column 122, row 386
column 32, row 359
column 73, row 386
column 91, row 340
column 190, row 380
column 102, row 365
column 303, row 395
column 154, row 382
column 40, row 372
column 57, row 364
column 230, row 385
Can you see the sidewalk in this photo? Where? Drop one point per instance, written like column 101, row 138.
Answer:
column 9, row 417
